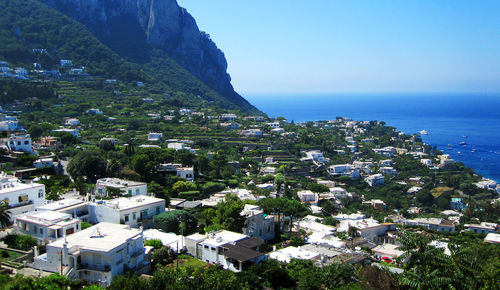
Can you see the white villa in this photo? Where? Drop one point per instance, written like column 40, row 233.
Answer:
column 233, row 251
column 20, row 197
column 20, row 143
column 97, row 254
column 133, row 211
column 125, row 187
column 375, row 180
column 344, row 170
column 177, row 169
column 75, row 207
column 257, row 223
column 47, row 226
column 155, row 136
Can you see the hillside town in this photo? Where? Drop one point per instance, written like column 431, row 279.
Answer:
column 93, row 201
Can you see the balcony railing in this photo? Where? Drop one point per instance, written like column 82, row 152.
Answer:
column 92, row 267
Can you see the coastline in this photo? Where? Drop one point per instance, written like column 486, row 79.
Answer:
column 446, row 118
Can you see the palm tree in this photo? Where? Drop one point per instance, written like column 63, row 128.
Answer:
column 4, row 214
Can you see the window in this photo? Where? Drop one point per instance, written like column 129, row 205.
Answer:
column 206, row 247
column 23, row 198
column 126, row 218
column 134, row 216
column 26, row 142
column 137, row 191
column 40, row 193
column 268, row 229
column 157, row 210
column 41, row 231
column 99, row 190
column 130, row 192
column 19, row 143
column 144, row 213
column 212, row 249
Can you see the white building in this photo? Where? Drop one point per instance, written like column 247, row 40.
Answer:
column 46, row 226
column 492, row 238
column 314, row 155
column 482, row 228
column 20, row 197
column 20, row 143
column 228, row 117
column 73, row 131
column 388, row 170
column 387, row 250
column 426, row 162
column 344, row 170
column 233, row 251
column 386, row 151
column 125, row 187
column 9, row 125
column 285, row 255
column 367, row 228
column 97, row 254
column 44, row 163
column 94, row 111
column 251, row 133
column 155, row 136
column 257, row 223
column 171, row 240
column 436, row 224
column 75, row 207
column 177, row 169
column 133, row 211
column 307, row 196
column 268, row 170
column 72, row 122
column 375, row 179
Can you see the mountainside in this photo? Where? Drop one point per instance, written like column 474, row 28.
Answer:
column 140, row 29
column 32, row 32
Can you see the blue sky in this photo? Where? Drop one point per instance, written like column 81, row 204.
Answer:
column 327, row 46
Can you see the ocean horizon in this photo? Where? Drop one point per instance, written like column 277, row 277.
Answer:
column 449, row 119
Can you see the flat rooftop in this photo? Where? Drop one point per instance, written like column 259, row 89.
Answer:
column 61, row 204
column 118, row 183
column 102, row 237
column 124, row 203
column 222, row 237
column 48, row 218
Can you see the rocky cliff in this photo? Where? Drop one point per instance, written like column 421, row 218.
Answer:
column 136, row 29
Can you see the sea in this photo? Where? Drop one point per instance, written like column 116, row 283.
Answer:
column 466, row 126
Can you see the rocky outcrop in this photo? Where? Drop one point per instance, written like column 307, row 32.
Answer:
column 133, row 28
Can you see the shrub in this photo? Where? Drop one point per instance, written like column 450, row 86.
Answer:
column 154, row 243
column 171, row 221
column 189, row 195
column 20, row 242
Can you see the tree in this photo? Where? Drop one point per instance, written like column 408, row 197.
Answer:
column 175, row 221
column 4, row 214
column 316, row 187
column 228, row 214
column 219, row 161
column 88, row 165
column 425, row 197
column 159, row 192
column 273, row 206
column 184, row 157
column 294, row 209
column 183, row 186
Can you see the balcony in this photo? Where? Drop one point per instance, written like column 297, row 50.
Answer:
column 93, row 267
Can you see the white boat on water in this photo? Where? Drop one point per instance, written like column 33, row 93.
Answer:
column 423, row 132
